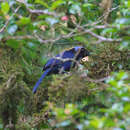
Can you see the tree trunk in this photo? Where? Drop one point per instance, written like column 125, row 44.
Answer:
column 106, row 6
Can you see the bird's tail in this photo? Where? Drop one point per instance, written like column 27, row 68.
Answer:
column 40, row 80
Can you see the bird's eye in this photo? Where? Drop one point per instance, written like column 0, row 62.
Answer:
column 84, row 59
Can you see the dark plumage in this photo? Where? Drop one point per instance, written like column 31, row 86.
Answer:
column 62, row 62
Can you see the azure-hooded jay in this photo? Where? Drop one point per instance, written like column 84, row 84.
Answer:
column 63, row 62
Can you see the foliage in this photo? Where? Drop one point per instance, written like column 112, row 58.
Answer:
column 114, row 113
column 95, row 95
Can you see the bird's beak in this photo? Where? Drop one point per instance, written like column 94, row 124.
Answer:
column 85, row 59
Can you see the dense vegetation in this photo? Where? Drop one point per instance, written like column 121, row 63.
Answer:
column 94, row 95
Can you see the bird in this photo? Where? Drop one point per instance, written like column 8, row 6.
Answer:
column 63, row 62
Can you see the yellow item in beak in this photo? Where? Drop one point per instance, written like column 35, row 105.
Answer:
column 85, row 59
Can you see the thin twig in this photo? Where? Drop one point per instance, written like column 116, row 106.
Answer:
column 37, row 11
column 97, row 80
column 7, row 22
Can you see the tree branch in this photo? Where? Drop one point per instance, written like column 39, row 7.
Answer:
column 37, row 11
column 7, row 22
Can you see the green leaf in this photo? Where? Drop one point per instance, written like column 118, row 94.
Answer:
column 64, row 123
column 13, row 43
column 52, row 20
column 43, row 60
column 42, row 3
column 12, row 29
column 123, row 21
column 80, row 38
column 1, row 126
column 127, row 3
column 109, row 31
column 32, row 45
column 124, row 44
column 5, row 7
column 121, row 75
column 75, row 8
column 1, row 36
column 24, row 21
column 56, row 4
column 88, row 5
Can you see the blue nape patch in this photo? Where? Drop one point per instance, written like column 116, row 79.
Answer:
column 77, row 48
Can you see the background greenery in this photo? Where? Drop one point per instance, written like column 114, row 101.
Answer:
column 93, row 96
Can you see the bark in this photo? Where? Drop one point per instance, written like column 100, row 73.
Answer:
column 106, row 6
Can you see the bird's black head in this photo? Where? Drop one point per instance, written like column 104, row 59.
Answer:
column 81, row 53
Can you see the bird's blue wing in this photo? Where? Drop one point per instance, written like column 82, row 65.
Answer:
column 70, row 53
column 40, row 80
column 52, row 62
